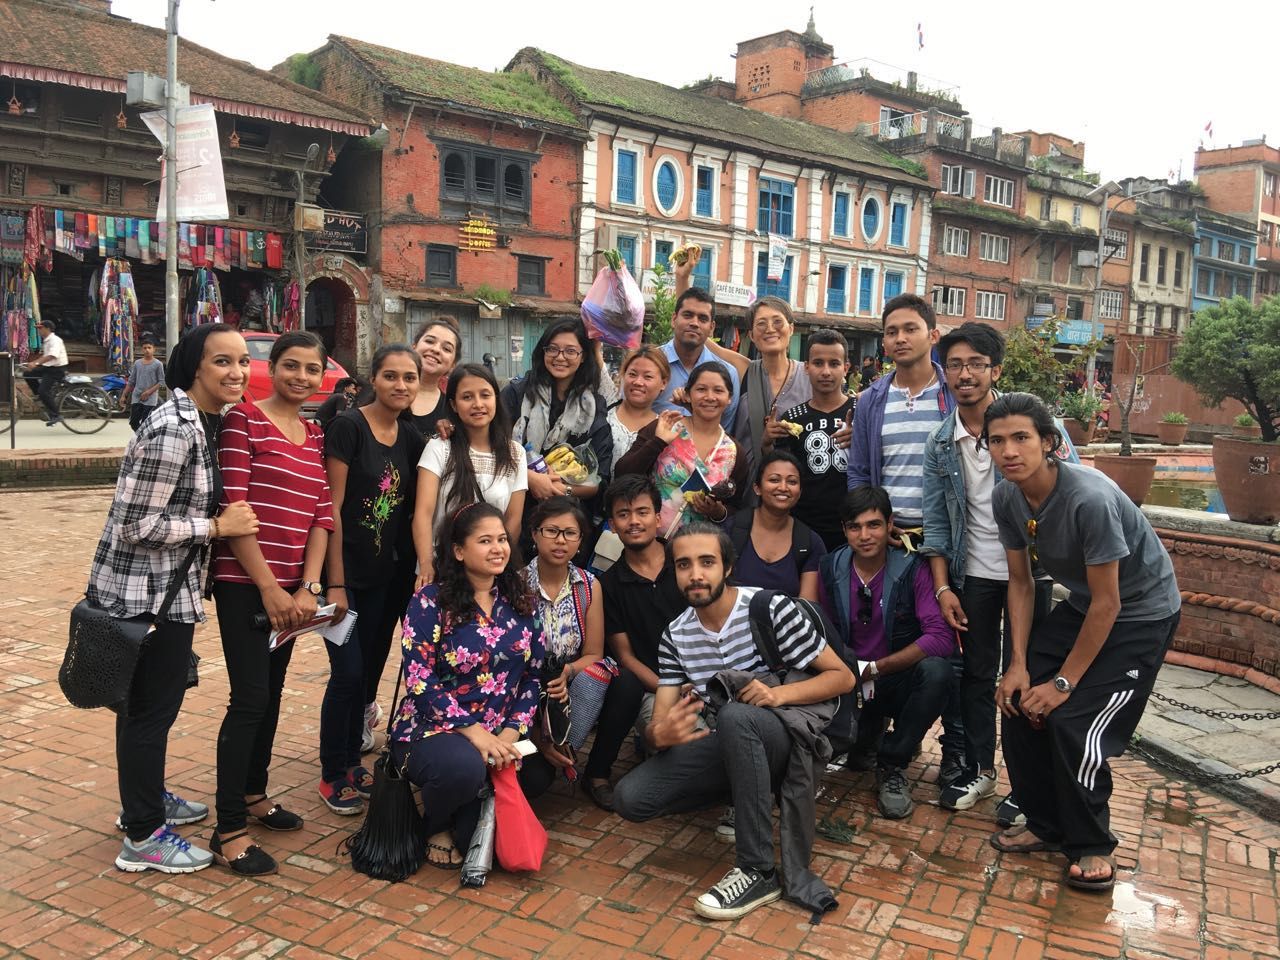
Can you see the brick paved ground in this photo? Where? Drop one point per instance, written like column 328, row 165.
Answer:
column 1197, row 874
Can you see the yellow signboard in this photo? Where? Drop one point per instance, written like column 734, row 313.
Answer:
column 477, row 234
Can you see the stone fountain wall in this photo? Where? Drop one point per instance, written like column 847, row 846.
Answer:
column 1229, row 574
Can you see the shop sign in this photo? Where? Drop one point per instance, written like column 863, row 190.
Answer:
column 777, row 263
column 202, row 192
column 342, row 233
column 517, row 349
column 477, row 233
column 734, row 294
column 649, row 283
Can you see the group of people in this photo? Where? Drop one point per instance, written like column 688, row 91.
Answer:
column 742, row 554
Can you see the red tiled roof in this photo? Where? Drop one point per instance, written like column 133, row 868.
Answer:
column 50, row 41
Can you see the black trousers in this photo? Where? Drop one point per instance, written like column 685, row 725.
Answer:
column 142, row 733
column 44, row 380
column 139, row 412
column 985, row 656
column 248, row 730
column 912, row 699
column 1060, row 774
column 616, row 721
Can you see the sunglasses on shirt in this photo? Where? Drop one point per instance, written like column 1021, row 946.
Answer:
column 865, row 608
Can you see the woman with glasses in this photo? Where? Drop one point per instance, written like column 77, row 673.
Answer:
column 775, row 550
column 1078, row 682
column 681, row 452
column 571, row 607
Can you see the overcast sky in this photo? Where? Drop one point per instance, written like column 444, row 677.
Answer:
column 1137, row 81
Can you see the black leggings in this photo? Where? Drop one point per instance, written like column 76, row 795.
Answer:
column 249, row 728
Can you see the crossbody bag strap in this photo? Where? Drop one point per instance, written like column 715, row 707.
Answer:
column 179, row 577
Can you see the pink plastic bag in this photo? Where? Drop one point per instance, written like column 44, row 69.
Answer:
column 613, row 310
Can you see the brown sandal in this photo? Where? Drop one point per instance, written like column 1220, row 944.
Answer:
column 1097, row 884
column 449, row 852
column 1001, row 841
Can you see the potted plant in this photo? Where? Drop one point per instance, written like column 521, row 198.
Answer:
column 1172, row 428
column 1132, row 474
column 1245, row 426
column 1233, row 351
column 1080, row 415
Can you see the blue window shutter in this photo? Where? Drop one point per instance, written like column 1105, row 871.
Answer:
column 626, row 176
column 870, row 217
column 898, row 225
column 892, row 285
column 627, row 249
column 785, row 217
column 762, row 270
column 777, row 200
column 666, row 185
column 866, row 284
column 662, row 253
column 840, row 227
column 785, row 283
column 836, row 277
column 773, row 288
column 764, row 219
column 705, row 199
column 701, row 276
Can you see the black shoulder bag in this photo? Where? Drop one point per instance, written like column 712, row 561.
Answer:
column 103, row 650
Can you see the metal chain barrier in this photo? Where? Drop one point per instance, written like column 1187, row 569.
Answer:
column 1217, row 714
column 1195, row 773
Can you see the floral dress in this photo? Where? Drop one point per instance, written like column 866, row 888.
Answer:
column 676, row 464
column 483, row 670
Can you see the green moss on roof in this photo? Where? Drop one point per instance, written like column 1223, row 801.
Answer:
column 718, row 119
column 967, row 208
column 514, row 93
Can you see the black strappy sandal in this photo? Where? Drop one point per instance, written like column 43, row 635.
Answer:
column 254, row 862
column 277, row 818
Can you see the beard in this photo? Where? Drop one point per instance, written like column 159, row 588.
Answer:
column 716, row 592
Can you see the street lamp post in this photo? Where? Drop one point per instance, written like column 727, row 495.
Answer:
column 299, row 241
column 171, row 305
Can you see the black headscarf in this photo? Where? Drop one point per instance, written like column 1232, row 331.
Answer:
column 184, row 360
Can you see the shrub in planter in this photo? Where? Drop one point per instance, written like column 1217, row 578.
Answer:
column 1080, row 415
column 1172, row 428
column 1245, row 426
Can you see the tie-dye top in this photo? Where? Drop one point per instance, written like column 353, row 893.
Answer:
column 676, row 464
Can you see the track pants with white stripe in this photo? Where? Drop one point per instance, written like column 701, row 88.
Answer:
column 1060, row 774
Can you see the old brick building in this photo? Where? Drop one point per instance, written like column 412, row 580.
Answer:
column 463, row 144
column 69, row 144
column 1244, row 182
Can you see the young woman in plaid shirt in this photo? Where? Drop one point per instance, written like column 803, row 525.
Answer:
column 166, row 497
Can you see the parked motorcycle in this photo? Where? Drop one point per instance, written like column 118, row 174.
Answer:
column 113, row 386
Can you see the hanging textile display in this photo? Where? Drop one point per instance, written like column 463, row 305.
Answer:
column 21, row 310
column 36, row 250
column 118, row 302
column 203, row 298
column 291, row 312
column 12, row 237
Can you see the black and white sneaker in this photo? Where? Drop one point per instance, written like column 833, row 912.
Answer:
column 1009, row 814
column 966, row 792
column 740, row 892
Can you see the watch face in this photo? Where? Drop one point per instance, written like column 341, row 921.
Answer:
column 1062, row 683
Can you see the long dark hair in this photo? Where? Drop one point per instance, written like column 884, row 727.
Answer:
column 455, row 595
column 587, row 375
column 466, row 488
column 1023, row 405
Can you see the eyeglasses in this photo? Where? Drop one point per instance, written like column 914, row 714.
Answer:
column 973, row 366
column 1031, row 547
column 569, row 353
column 569, row 535
column 865, row 609
column 777, row 323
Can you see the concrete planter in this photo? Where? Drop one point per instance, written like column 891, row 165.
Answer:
column 1171, row 434
column 1248, row 476
column 1133, row 475
column 1080, row 434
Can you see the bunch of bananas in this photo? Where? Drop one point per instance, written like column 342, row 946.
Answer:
column 681, row 254
column 566, row 465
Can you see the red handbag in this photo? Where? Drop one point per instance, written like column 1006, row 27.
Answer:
column 519, row 839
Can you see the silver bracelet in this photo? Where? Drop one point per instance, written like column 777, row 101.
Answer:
column 941, row 590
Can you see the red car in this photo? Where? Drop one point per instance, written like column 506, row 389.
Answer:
column 259, row 386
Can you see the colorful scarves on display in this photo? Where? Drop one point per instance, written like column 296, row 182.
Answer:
column 119, row 304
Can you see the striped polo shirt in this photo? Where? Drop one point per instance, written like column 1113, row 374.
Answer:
column 285, row 484
column 689, row 653
column 907, row 425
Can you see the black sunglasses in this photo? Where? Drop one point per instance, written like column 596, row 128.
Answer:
column 865, row 610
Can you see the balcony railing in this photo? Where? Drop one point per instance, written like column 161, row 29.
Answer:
column 917, row 124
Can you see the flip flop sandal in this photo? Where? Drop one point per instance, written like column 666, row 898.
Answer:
column 450, row 852
column 1098, row 885
column 998, row 840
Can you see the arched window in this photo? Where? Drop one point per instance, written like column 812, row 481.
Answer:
column 668, row 186
column 870, row 218
column 513, row 184
column 455, row 172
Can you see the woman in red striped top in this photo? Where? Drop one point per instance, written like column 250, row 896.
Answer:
column 274, row 459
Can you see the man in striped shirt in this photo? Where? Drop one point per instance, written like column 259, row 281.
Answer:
column 894, row 418
column 745, row 758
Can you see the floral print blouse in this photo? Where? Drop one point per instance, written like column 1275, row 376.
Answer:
column 563, row 616
column 676, row 465
column 484, row 670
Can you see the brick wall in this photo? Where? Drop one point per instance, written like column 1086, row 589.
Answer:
column 769, row 74
column 1229, row 589
column 27, row 469
column 1232, row 190
column 847, row 109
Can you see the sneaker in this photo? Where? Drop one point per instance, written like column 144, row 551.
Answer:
column 177, row 811
column 740, row 892
column 1008, row 814
column 341, row 797
column 372, row 714
column 362, row 780
column 965, row 793
column 165, row 851
column 53, row 421
column 894, row 799
column 725, row 831
column 952, row 770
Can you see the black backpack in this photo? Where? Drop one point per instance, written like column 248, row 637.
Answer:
column 842, row 731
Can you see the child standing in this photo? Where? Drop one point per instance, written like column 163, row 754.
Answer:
column 145, row 380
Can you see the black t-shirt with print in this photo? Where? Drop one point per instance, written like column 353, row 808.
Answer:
column 823, row 469
column 378, row 503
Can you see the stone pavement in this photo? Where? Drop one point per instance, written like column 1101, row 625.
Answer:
column 1197, row 876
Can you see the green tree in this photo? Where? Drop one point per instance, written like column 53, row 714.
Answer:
column 1031, row 366
column 1233, row 350
column 657, row 326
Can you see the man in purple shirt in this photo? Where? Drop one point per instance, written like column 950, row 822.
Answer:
column 882, row 602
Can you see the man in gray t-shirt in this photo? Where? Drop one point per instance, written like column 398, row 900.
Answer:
column 1086, row 521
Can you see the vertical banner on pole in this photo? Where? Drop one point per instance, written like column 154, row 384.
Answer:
column 202, row 192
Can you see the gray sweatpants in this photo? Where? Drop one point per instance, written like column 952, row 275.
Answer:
column 741, row 762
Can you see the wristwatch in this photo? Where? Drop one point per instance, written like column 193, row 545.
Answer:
column 312, row 587
column 1063, row 685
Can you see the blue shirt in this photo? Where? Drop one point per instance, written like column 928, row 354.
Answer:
column 680, row 376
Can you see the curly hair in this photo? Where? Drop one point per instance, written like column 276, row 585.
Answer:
column 455, row 594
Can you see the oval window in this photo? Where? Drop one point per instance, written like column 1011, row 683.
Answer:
column 667, row 185
column 870, row 218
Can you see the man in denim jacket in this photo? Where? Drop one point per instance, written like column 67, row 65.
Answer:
column 970, row 573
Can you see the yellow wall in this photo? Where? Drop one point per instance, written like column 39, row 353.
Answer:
column 1062, row 207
